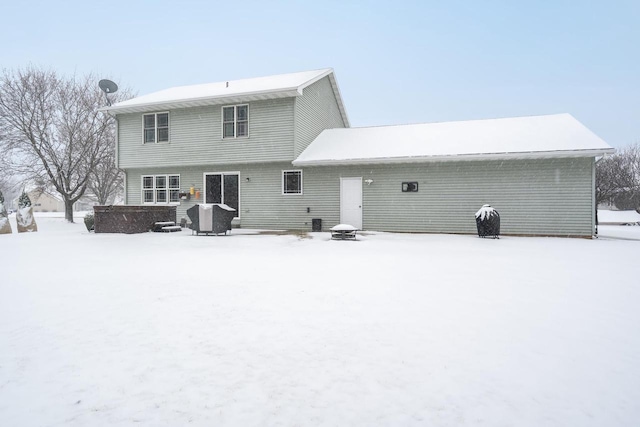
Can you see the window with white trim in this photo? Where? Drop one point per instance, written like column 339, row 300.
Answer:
column 292, row 182
column 155, row 128
column 235, row 121
column 160, row 189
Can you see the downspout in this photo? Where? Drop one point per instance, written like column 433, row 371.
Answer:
column 594, row 205
column 117, row 143
column 118, row 158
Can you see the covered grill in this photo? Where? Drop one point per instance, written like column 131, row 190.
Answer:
column 211, row 218
column 488, row 222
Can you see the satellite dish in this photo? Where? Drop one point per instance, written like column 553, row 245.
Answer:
column 107, row 87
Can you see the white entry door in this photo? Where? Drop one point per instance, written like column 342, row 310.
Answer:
column 351, row 201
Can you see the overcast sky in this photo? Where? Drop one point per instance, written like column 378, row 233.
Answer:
column 396, row 62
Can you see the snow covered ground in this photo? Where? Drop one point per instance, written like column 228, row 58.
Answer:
column 618, row 217
column 283, row 330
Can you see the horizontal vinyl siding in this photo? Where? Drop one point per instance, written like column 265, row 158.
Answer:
column 266, row 207
column 546, row 197
column 316, row 110
column 195, row 137
column 262, row 204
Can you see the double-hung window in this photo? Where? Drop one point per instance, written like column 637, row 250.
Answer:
column 235, row 121
column 160, row 189
column 292, row 182
column 155, row 127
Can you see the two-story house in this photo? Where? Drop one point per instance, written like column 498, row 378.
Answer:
column 232, row 141
column 279, row 150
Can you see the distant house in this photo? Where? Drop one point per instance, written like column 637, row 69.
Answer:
column 42, row 201
column 279, row 150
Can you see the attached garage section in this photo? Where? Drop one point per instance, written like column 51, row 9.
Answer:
column 538, row 172
column 534, row 197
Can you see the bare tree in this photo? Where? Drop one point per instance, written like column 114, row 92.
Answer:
column 53, row 129
column 618, row 178
column 106, row 181
column 9, row 183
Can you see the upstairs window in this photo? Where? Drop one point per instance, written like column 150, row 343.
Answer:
column 292, row 182
column 156, row 127
column 235, row 121
column 160, row 189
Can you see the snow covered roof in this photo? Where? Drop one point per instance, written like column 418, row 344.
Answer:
column 278, row 86
column 559, row 135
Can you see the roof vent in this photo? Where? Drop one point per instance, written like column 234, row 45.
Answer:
column 227, row 84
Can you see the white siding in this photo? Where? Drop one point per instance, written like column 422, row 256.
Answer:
column 196, row 137
column 545, row 197
column 315, row 111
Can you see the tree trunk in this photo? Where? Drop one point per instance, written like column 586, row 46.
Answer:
column 68, row 210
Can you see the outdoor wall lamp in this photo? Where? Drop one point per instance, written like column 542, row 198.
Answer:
column 248, row 179
column 368, row 181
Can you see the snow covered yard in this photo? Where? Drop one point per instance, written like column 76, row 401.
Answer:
column 266, row 330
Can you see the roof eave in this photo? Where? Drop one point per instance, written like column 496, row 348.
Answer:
column 204, row 101
column 458, row 157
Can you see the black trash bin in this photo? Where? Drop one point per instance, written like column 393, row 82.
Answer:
column 316, row 224
column 488, row 222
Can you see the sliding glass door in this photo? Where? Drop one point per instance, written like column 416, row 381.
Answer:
column 224, row 188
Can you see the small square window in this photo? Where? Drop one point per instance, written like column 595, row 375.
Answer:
column 292, row 182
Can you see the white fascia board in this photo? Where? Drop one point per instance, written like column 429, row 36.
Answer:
column 336, row 91
column 338, row 95
column 457, row 158
column 199, row 102
column 315, row 79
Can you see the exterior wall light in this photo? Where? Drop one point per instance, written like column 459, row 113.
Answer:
column 368, row 181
